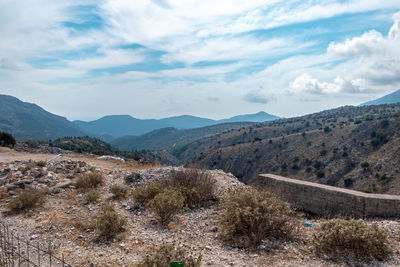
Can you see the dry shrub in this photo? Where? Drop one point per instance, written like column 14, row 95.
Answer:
column 110, row 223
column 41, row 163
column 25, row 200
column 166, row 204
column 144, row 194
column 188, row 188
column 249, row 216
column 92, row 196
column 88, row 181
column 119, row 191
column 167, row 253
column 196, row 185
column 351, row 238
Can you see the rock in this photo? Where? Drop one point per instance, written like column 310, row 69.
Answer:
column 132, row 178
column 213, row 229
column 64, row 184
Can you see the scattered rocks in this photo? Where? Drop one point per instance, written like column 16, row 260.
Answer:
column 55, row 175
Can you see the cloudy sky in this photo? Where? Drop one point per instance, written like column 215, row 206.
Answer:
column 208, row 58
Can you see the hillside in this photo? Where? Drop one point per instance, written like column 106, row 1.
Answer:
column 69, row 222
column 387, row 99
column 353, row 147
column 125, row 125
column 91, row 145
column 171, row 137
column 25, row 121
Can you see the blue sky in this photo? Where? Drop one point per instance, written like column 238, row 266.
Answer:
column 216, row 59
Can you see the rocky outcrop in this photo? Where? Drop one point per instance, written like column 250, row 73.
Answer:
column 53, row 175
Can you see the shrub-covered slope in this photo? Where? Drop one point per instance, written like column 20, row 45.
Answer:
column 353, row 147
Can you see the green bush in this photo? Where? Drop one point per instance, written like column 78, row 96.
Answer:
column 144, row 194
column 110, row 223
column 167, row 253
column 6, row 139
column 88, row 181
column 25, row 200
column 196, row 185
column 119, row 191
column 92, row 196
column 166, row 204
column 248, row 216
column 351, row 238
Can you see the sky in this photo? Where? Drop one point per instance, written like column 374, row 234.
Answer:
column 215, row 59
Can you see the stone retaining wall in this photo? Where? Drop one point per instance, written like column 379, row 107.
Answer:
column 329, row 200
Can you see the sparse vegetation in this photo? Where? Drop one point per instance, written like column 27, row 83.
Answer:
column 27, row 167
column 167, row 253
column 144, row 194
column 91, row 145
column 188, row 188
column 92, row 196
column 196, row 186
column 166, row 204
column 41, row 163
column 119, row 191
column 110, row 223
column 88, row 181
column 249, row 216
column 25, row 201
column 351, row 238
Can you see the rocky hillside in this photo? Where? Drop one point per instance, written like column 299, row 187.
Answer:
column 353, row 147
column 25, row 121
column 66, row 220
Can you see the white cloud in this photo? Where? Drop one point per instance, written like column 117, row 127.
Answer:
column 374, row 59
column 305, row 83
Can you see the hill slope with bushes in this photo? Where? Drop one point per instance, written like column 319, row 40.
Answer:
column 352, row 147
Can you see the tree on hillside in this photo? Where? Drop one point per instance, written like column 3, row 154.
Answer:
column 6, row 139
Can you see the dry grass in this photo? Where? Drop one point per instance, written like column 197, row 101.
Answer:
column 89, row 181
column 110, row 223
column 25, row 201
column 119, row 191
column 92, row 196
column 162, row 257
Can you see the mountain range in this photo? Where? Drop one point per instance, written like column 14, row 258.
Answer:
column 123, row 125
column 29, row 121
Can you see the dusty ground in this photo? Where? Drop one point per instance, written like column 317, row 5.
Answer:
column 66, row 221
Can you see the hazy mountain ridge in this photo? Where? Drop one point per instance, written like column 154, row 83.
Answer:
column 126, row 125
column 171, row 137
column 29, row 121
column 26, row 120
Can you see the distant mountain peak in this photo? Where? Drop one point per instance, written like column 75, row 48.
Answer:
column 387, row 99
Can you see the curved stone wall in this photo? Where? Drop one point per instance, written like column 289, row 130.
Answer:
column 329, row 200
